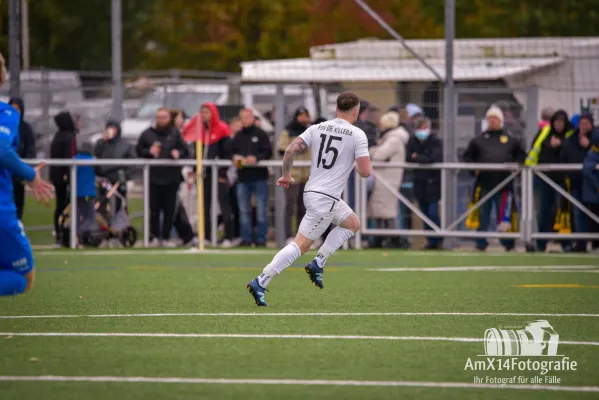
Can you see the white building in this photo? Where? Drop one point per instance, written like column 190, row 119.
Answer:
column 565, row 70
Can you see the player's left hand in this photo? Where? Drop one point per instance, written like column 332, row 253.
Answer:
column 285, row 181
column 42, row 190
column 250, row 160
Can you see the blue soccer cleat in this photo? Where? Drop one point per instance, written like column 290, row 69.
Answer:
column 257, row 292
column 315, row 273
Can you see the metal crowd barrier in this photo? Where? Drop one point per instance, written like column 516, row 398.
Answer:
column 446, row 229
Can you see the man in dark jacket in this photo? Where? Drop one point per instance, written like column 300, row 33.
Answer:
column 590, row 184
column 63, row 146
column 546, row 149
column 113, row 147
column 26, row 149
column 425, row 147
column 494, row 146
column 573, row 151
column 364, row 122
column 248, row 147
column 163, row 142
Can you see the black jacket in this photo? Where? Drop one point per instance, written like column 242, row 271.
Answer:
column 370, row 130
column 427, row 182
column 252, row 141
column 63, row 146
column 170, row 139
column 115, row 148
column 26, row 147
column 573, row 153
column 494, row 147
column 551, row 155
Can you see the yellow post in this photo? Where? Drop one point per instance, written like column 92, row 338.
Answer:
column 200, row 192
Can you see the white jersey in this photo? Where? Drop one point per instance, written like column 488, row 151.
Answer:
column 335, row 146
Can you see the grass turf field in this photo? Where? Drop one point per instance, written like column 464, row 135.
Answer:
column 174, row 324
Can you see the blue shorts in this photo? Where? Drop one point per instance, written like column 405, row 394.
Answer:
column 15, row 249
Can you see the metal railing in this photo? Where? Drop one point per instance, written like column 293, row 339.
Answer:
column 446, row 229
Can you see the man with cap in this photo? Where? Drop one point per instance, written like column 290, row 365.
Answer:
column 573, row 151
column 294, row 194
column 494, row 146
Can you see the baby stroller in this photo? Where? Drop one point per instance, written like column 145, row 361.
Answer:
column 110, row 220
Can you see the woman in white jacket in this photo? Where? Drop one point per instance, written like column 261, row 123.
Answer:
column 383, row 204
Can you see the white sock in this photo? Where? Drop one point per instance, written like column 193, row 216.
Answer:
column 335, row 239
column 281, row 260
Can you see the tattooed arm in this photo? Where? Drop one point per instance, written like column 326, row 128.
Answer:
column 296, row 147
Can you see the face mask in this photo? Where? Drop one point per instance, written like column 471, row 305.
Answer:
column 422, row 134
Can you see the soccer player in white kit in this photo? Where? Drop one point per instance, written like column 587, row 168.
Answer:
column 336, row 146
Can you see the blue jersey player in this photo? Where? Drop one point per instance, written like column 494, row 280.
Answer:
column 16, row 259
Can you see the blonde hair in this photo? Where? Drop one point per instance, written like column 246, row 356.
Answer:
column 3, row 72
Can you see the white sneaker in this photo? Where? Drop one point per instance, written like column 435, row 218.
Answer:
column 236, row 242
column 595, row 251
column 154, row 243
column 226, row 244
column 167, row 244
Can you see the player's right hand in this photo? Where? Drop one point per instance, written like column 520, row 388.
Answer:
column 42, row 190
column 285, row 181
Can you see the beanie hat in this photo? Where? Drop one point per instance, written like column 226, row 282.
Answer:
column 389, row 120
column 496, row 112
column 413, row 110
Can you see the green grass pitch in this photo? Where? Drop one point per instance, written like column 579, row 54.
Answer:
column 173, row 324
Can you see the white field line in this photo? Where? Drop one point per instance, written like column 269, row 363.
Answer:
column 523, row 268
column 296, row 382
column 307, row 314
column 272, row 251
column 262, row 336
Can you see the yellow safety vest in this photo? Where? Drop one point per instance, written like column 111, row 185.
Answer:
column 533, row 155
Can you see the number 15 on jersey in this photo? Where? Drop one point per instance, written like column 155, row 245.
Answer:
column 324, row 152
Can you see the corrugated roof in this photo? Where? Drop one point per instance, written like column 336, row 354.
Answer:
column 407, row 70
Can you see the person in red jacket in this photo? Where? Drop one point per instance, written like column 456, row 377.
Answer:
column 215, row 136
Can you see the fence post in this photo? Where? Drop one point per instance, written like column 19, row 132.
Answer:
column 213, row 203
column 117, row 65
column 524, row 205
column 146, row 200
column 73, row 188
column 361, row 207
column 279, row 191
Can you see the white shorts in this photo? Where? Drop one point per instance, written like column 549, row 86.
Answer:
column 321, row 211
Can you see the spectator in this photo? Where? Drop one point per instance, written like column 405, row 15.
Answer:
column 546, row 114
column 546, row 149
column 294, row 195
column 25, row 150
column 113, row 147
column 364, row 122
column 405, row 121
column 494, row 146
column 215, row 136
column 181, row 222
column 234, row 126
column 86, row 192
column 574, row 151
column 63, row 146
column 590, row 189
column 383, row 205
column 250, row 146
column 162, row 142
column 374, row 116
column 425, row 148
